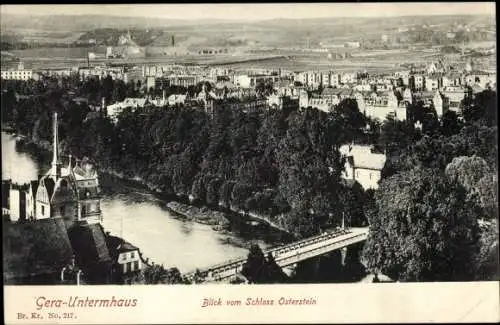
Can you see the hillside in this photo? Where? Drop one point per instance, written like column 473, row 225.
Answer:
column 111, row 36
column 25, row 31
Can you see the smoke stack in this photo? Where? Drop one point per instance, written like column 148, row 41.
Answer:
column 173, row 40
column 56, row 165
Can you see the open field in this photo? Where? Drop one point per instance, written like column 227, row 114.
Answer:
column 475, row 45
column 370, row 60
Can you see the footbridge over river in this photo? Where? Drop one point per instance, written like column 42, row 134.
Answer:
column 286, row 255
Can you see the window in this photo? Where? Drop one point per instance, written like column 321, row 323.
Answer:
column 136, row 265
column 125, row 267
column 132, row 255
column 43, row 210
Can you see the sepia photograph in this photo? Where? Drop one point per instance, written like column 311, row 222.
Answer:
column 246, row 144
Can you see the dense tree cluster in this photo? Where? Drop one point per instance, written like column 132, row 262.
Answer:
column 157, row 274
column 423, row 228
column 438, row 188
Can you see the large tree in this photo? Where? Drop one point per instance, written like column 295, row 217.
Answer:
column 423, row 228
column 397, row 135
column 261, row 269
column 474, row 174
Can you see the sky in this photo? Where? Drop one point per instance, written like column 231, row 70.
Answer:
column 258, row 11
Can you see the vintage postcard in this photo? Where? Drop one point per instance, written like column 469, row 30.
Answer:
column 249, row 163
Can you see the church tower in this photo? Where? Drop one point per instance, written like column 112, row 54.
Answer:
column 56, row 196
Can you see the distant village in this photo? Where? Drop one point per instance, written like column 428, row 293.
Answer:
column 439, row 84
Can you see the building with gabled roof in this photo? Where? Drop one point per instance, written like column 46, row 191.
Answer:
column 455, row 99
column 379, row 105
column 126, row 257
column 362, row 165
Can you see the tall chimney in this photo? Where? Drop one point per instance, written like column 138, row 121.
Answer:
column 173, row 40
column 56, row 164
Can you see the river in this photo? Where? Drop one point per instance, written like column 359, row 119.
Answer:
column 141, row 218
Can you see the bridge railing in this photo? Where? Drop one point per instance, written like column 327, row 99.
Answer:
column 219, row 274
column 227, row 265
column 309, row 251
column 309, row 241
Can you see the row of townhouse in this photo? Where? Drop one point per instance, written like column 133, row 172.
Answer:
column 184, row 80
column 327, row 99
column 380, row 105
column 251, row 80
column 434, row 81
column 446, row 98
column 325, row 78
column 162, row 70
column 16, row 74
column 377, row 105
column 451, row 99
column 116, row 73
column 220, row 91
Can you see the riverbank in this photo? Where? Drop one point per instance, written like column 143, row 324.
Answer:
column 216, row 219
column 203, row 215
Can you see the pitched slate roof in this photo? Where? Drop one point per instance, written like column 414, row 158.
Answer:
column 118, row 245
column 362, row 157
column 35, row 248
column 85, row 171
column 34, row 186
column 63, row 191
column 126, row 247
column 89, row 243
column 49, row 185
